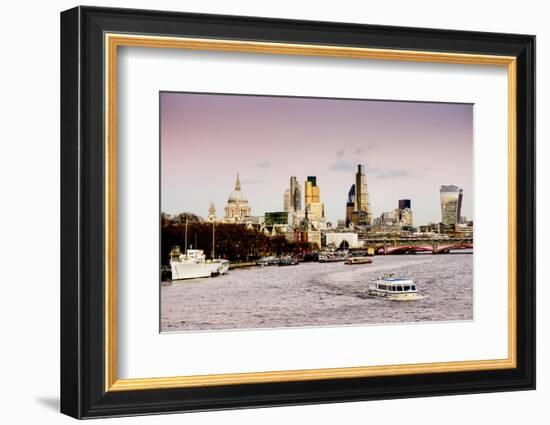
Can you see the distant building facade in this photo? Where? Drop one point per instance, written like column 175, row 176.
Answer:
column 307, row 232
column 404, row 213
column 342, row 240
column 276, row 217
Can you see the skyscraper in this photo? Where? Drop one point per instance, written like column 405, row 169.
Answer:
column 362, row 214
column 312, row 191
column 295, row 195
column 286, row 200
column 404, row 203
column 312, row 200
column 350, row 205
column 361, row 196
column 451, row 204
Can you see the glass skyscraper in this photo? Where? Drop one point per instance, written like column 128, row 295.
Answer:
column 451, row 204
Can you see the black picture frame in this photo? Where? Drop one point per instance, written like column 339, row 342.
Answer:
column 83, row 392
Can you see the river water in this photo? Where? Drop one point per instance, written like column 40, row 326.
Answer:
column 320, row 294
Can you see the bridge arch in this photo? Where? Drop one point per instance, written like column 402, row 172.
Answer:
column 404, row 249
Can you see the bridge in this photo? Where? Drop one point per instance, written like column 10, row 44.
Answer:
column 438, row 248
column 386, row 246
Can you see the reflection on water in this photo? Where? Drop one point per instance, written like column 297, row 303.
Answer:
column 313, row 294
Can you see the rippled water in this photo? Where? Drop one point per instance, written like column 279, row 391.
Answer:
column 314, row 294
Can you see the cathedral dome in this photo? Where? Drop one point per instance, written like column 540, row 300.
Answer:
column 237, row 195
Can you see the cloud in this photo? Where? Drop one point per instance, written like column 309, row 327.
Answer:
column 355, row 150
column 263, row 164
column 395, row 173
column 342, row 165
column 362, row 149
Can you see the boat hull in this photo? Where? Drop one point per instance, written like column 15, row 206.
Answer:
column 222, row 266
column 396, row 297
column 357, row 261
column 184, row 271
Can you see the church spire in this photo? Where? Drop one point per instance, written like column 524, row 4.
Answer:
column 238, row 183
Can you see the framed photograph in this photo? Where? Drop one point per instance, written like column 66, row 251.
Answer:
column 261, row 212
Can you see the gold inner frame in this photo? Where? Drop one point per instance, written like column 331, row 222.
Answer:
column 113, row 41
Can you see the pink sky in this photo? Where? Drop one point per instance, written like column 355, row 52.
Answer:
column 409, row 149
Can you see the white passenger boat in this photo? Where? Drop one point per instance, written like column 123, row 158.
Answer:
column 394, row 288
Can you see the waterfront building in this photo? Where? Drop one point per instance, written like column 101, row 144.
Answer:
column 431, row 229
column 465, row 230
column 342, row 239
column 211, row 212
column 389, row 219
column 451, row 205
column 237, row 209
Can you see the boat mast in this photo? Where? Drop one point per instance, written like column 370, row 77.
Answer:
column 186, row 237
column 213, row 238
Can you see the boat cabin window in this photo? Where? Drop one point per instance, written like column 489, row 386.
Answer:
column 399, row 288
column 413, row 287
column 407, row 288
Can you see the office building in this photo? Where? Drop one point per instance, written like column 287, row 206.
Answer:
column 312, row 200
column 358, row 194
column 451, row 204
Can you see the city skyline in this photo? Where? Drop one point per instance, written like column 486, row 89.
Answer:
column 410, row 149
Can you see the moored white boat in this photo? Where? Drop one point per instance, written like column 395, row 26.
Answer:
column 193, row 265
column 267, row 261
column 394, row 288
